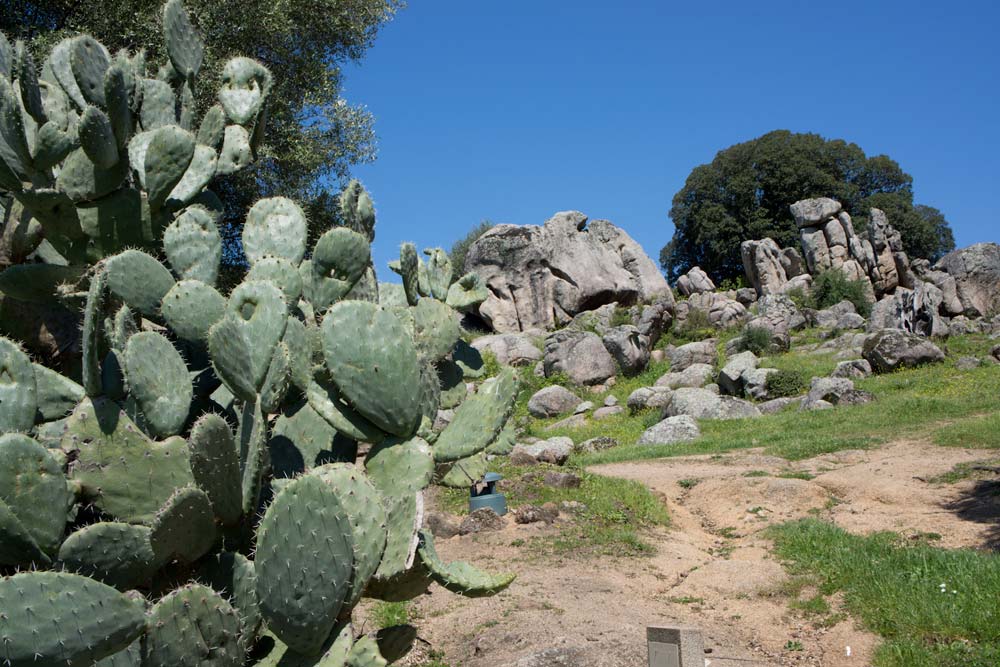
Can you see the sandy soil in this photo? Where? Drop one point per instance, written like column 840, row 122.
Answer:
column 712, row 569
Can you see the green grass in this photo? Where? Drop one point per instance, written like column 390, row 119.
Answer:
column 388, row 614
column 895, row 591
column 938, row 399
column 617, row 510
column 971, row 470
column 980, row 432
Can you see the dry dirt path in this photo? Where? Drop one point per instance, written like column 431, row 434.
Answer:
column 713, row 567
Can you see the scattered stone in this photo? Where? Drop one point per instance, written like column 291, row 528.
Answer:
column 628, row 347
column 695, row 375
column 442, row 525
column 608, row 411
column 889, row 349
column 519, row 457
column 610, row 400
column 780, row 314
column 699, row 352
column 552, row 657
column 746, row 296
column 776, row 405
column 816, row 405
column 695, row 281
column 681, row 428
column 829, row 318
column 579, row 354
column 562, row 480
column 481, row 520
column 967, row 363
column 572, row 506
column 539, row 277
column 755, row 383
column 722, row 311
column 655, row 318
column 703, row 404
column 554, row 450
column 828, row 389
column 648, row 397
column 597, row 444
column 552, row 402
column 856, row 397
column 584, row 408
column 730, row 379
column 995, row 352
column 534, row 514
column 573, row 421
column 511, row 349
column 853, row 368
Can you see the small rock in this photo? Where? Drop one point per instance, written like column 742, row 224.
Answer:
column 442, row 419
column 573, row 421
column 610, row 400
column 554, row 450
column 682, row 428
column 562, row 480
column 596, row 444
column 535, row 514
column 441, row 525
column 480, row 521
column 967, row 363
column 608, row 411
column 572, row 506
column 584, row 407
column 816, row 405
column 853, row 368
column 519, row 457
column 776, row 405
column 552, row 402
column 889, row 349
column 828, row 389
column 695, row 375
column 648, row 397
column 657, row 356
column 856, row 397
column 995, row 352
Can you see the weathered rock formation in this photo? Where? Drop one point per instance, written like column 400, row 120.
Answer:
column 695, row 281
column 768, row 267
column 976, row 271
column 539, row 277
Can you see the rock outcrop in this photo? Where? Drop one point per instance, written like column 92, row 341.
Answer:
column 890, row 349
column 768, row 267
column 976, row 271
column 539, row 277
column 580, row 355
column 695, row 281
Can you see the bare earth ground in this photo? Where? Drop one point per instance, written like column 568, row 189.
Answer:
column 712, row 569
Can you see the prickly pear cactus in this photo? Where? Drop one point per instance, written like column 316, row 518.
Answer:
column 195, row 487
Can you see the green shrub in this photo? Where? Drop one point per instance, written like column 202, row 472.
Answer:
column 800, row 297
column 784, row 383
column 621, row 316
column 756, row 340
column 831, row 287
column 696, row 326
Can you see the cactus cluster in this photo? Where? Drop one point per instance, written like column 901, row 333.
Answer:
column 195, row 495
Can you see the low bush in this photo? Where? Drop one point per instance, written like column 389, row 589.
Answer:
column 756, row 340
column 784, row 383
column 831, row 287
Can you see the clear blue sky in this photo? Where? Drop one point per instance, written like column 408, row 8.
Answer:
column 512, row 110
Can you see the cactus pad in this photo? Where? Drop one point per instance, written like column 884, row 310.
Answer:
column 374, row 364
column 339, row 260
column 438, row 273
column 57, row 395
column 235, row 153
column 145, row 293
column 409, row 269
column 117, row 554
column 120, row 470
column 365, row 653
column 435, row 327
column 215, row 464
column 467, row 292
column 97, row 138
column 191, row 308
column 233, row 576
column 398, row 467
column 281, row 272
column 193, row 625
column 478, row 420
column 184, row 45
column 18, row 388
column 33, row 487
column 463, row 473
column 326, row 400
column 275, row 227
column 245, row 86
column 184, row 528
column 459, row 577
column 304, row 563
column 74, row 620
column 364, row 510
column 158, row 380
column 404, row 516
column 167, row 158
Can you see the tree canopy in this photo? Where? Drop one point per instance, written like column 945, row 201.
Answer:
column 314, row 137
column 746, row 191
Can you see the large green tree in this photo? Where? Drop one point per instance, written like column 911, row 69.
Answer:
column 746, row 191
column 313, row 137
